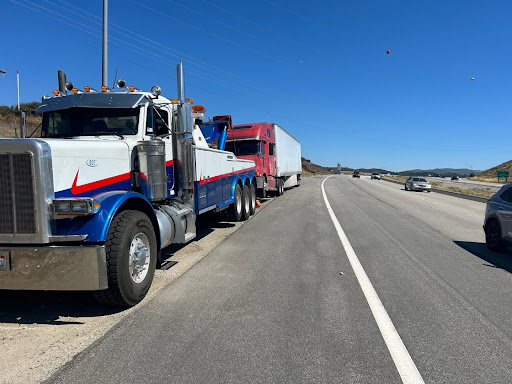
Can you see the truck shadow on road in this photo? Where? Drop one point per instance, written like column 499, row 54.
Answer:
column 47, row 307
column 501, row 260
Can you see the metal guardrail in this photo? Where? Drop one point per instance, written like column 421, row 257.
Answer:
column 455, row 194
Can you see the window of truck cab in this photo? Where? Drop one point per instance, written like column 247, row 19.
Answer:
column 90, row 122
column 243, row 147
column 157, row 122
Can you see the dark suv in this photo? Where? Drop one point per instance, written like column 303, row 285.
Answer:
column 498, row 219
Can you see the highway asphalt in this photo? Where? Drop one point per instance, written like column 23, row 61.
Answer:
column 279, row 302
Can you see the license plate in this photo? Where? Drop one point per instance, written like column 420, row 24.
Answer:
column 4, row 257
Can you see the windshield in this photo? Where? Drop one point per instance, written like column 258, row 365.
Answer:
column 419, row 179
column 90, row 122
column 241, row 148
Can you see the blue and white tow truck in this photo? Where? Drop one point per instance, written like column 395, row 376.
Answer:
column 114, row 178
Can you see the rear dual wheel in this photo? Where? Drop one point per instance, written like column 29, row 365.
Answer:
column 235, row 210
column 244, row 204
column 252, row 199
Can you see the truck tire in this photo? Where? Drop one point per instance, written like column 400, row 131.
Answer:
column 252, row 201
column 263, row 191
column 235, row 209
column 279, row 185
column 246, row 203
column 131, row 259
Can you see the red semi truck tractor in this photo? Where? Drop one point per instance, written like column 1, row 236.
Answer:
column 275, row 152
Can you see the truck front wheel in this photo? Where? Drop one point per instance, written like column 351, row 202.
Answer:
column 131, row 259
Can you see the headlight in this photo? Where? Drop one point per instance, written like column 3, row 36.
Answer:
column 75, row 207
column 415, row 185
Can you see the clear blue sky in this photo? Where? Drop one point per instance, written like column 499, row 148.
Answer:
column 319, row 69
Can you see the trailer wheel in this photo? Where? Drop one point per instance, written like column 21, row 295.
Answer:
column 280, row 189
column 252, row 199
column 131, row 259
column 246, row 203
column 235, row 209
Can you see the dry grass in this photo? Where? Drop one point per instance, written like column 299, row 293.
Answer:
column 7, row 126
column 398, row 178
column 488, row 179
column 478, row 192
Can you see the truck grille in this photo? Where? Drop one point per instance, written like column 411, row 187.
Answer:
column 17, row 203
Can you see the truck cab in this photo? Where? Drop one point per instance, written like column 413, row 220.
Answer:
column 256, row 142
column 276, row 154
column 114, row 178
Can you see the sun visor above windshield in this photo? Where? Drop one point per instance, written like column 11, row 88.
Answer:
column 240, row 138
column 93, row 100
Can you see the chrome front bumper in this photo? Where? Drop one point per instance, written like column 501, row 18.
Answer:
column 54, row 268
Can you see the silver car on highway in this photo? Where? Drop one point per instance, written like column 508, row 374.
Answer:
column 417, row 184
column 498, row 219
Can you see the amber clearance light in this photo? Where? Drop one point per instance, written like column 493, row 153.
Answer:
column 198, row 109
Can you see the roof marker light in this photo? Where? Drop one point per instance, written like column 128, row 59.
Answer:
column 87, row 88
column 198, row 109
column 56, row 93
column 189, row 100
column 103, row 88
column 131, row 88
column 74, row 90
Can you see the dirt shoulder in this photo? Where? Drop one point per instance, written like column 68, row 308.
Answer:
column 41, row 331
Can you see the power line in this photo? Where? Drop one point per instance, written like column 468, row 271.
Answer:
column 171, row 52
column 133, row 47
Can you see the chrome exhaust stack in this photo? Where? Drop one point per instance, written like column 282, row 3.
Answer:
column 184, row 140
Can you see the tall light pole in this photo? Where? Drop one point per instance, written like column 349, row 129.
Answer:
column 104, row 79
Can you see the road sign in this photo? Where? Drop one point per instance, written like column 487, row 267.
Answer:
column 502, row 174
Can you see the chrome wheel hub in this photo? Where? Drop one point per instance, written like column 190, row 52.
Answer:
column 139, row 258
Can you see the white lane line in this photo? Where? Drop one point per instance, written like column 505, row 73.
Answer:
column 429, row 201
column 405, row 365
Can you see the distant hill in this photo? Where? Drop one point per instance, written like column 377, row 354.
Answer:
column 439, row 171
column 310, row 169
column 414, row 172
column 491, row 172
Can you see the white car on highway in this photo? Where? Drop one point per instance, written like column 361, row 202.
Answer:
column 417, row 184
